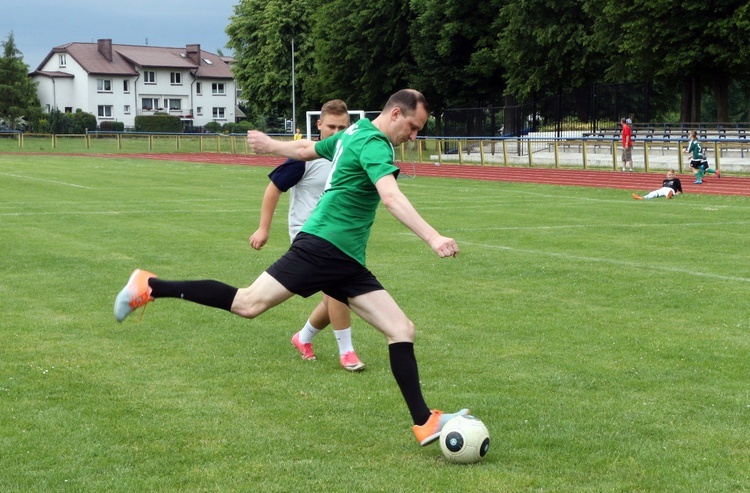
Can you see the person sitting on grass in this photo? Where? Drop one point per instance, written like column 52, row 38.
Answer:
column 698, row 162
column 670, row 187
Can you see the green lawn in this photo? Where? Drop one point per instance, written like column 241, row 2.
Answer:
column 603, row 341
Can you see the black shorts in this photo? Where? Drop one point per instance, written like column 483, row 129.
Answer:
column 698, row 164
column 313, row 264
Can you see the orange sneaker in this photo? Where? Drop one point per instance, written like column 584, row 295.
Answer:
column 351, row 362
column 430, row 431
column 637, row 197
column 135, row 294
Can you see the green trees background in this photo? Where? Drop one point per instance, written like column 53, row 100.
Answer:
column 462, row 53
column 466, row 53
column 19, row 103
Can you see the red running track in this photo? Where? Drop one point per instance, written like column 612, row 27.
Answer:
column 638, row 181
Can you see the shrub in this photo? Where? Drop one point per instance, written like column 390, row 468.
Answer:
column 243, row 126
column 213, row 127
column 158, row 123
column 110, row 126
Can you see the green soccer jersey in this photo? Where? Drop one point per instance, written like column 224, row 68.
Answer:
column 361, row 155
column 696, row 149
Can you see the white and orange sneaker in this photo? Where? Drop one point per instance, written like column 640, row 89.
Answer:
column 351, row 362
column 305, row 348
column 430, row 431
column 135, row 294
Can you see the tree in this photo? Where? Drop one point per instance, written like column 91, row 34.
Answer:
column 260, row 33
column 360, row 51
column 547, row 45
column 453, row 47
column 689, row 45
column 19, row 102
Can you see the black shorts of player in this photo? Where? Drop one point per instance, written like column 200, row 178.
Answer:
column 698, row 164
column 313, row 264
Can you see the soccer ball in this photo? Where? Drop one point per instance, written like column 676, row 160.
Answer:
column 464, row 439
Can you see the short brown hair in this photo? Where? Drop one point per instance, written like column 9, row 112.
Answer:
column 334, row 107
column 407, row 100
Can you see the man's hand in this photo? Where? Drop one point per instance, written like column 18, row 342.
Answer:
column 260, row 142
column 258, row 239
column 444, row 246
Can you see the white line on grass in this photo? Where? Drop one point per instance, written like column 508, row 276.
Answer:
column 124, row 213
column 610, row 261
column 602, row 226
column 45, row 180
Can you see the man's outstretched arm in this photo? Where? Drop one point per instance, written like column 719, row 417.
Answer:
column 400, row 207
column 301, row 150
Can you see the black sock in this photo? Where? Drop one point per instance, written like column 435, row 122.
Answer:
column 209, row 293
column 404, row 369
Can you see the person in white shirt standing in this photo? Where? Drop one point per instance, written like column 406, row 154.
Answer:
column 305, row 182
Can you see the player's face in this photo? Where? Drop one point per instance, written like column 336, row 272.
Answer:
column 405, row 127
column 330, row 124
column 670, row 175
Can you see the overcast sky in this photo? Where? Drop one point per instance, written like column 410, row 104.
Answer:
column 40, row 25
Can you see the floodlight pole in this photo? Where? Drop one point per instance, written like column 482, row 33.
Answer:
column 294, row 102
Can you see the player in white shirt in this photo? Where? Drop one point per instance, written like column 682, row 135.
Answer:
column 305, row 182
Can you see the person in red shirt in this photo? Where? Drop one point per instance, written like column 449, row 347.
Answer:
column 627, row 145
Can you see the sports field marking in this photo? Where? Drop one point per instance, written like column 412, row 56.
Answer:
column 125, row 213
column 598, row 226
column 637, row 265
column 45, row 180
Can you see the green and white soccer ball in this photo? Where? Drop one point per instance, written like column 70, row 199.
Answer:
column 464, row 439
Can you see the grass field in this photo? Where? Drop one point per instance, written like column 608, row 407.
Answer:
column 604, row 341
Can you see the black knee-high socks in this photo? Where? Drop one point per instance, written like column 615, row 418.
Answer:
column 405, row 371
column 209, row 293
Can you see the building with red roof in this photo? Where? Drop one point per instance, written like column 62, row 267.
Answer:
column 119, row 82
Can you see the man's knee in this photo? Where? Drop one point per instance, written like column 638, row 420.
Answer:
column 406, row 331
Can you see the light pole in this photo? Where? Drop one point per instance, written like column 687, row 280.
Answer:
column 294, row 102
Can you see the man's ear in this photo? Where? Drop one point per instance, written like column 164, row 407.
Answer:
column 395, row 113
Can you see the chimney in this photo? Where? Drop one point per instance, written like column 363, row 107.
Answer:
column 105, row 48
column 194, row 53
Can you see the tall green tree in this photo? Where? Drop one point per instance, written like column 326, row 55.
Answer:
column 691, row 45
column 261, row 33
column 19, row 102
column 453, row 42
column 546, row 45
column 361, row 51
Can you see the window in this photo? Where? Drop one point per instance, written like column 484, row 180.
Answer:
column 62, row 60
column 103, row 85
column 149, row 77
column 199, row 110
column 126, row 86
column 199, row 88
column 219, row 113
column 175, row 78
column 217, row 88
column 126, row 109
column 149, row 104
column 105, row 111
column 174, row 104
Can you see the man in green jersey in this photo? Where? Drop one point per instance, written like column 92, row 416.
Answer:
column 328, row 254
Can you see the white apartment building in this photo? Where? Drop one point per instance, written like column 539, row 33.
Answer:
column 119, row 82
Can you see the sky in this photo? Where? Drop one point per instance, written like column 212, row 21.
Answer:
column 40, row 25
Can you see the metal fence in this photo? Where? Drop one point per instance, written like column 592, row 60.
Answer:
column 566, row 113
column 728, row 152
